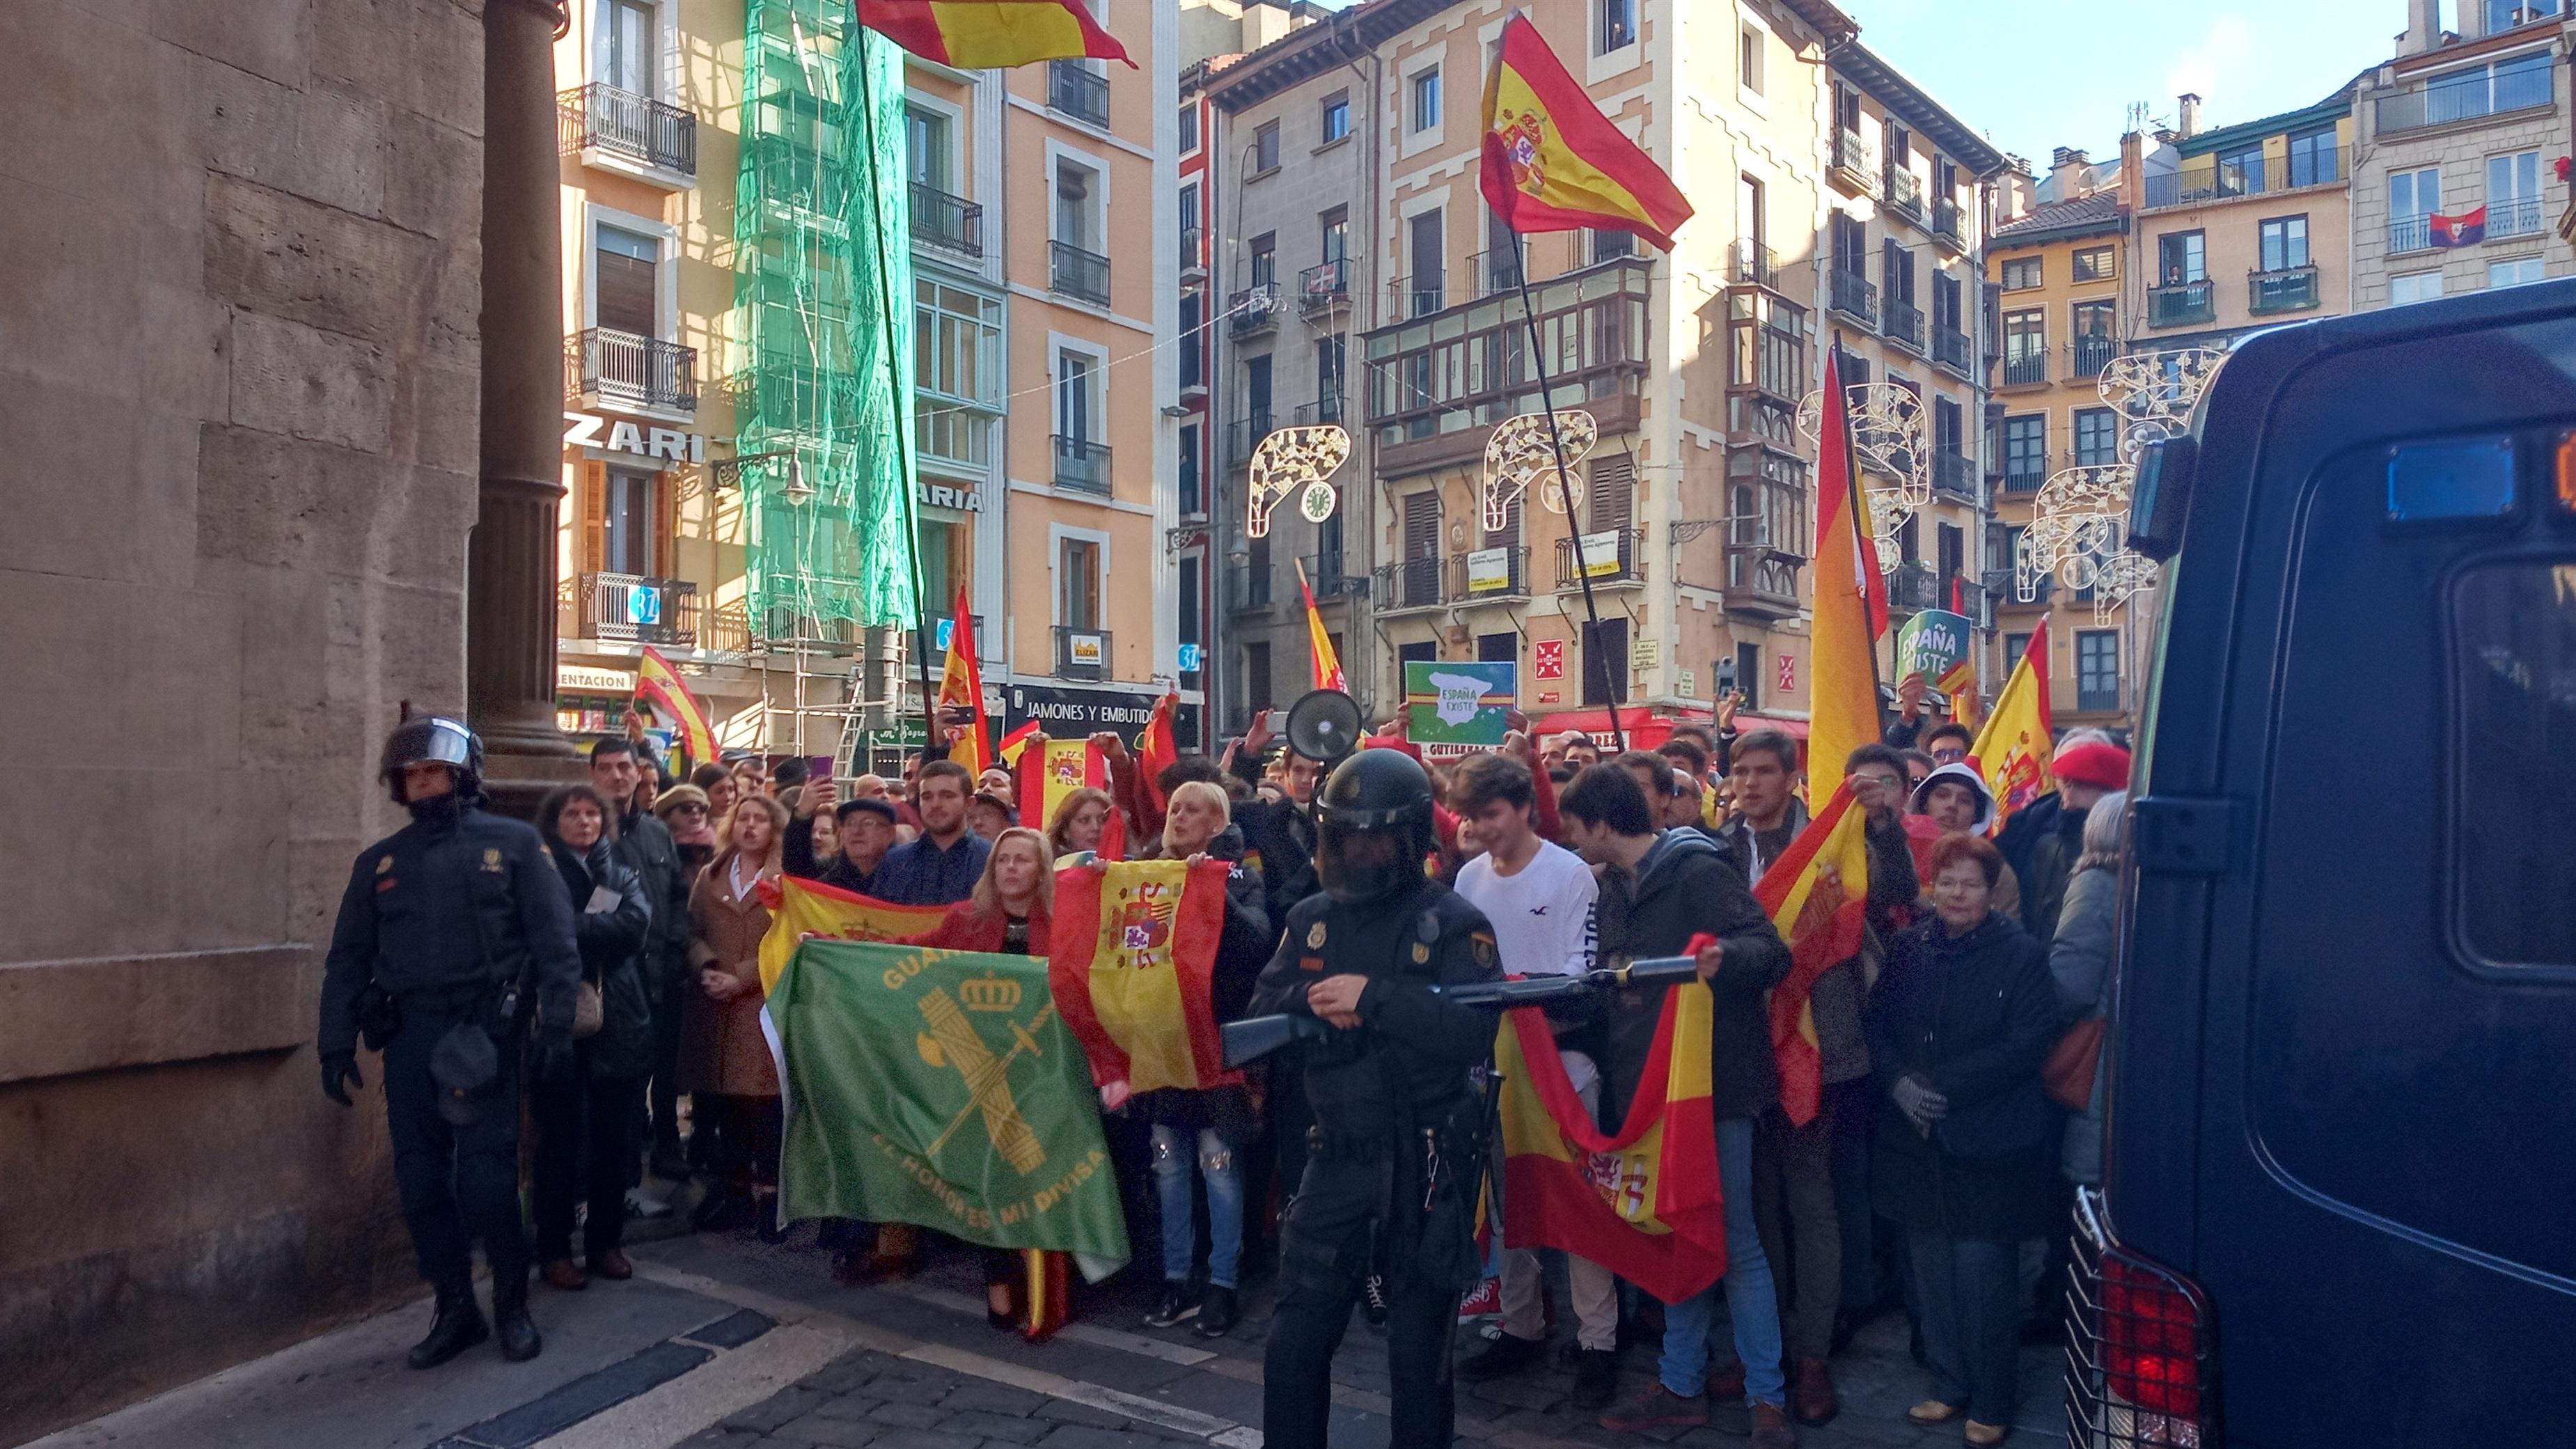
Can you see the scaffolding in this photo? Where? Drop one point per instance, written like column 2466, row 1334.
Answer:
column 822, row 391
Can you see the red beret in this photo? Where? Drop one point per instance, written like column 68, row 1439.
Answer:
column 2093, row 763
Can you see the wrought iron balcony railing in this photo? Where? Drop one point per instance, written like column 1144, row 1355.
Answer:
column 1076, row 90
column 1081, row 464
column 2029, row 368
column 1854, row 296
column 601, row 117
column 1413, row 583
column 1324, row 286
column 2182, row 304
column 1622, row 563
column 951, row 223
column 2284, row 289
column 1902, row 322
column 1951, row 348
column 638, row 609
column 1078, row 273
column 602, row 364
column 1081, row 653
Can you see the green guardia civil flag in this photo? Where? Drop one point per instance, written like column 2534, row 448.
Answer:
column 941, row 1088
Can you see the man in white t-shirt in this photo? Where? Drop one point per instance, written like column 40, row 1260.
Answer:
column 1539, row 898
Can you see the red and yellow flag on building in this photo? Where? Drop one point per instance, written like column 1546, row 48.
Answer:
column 658, row 684
column 989, row 34
column 1319, row 644
column 800, row 908
column 2019, row 740
column 1851, row 599
column 961, row 689
column 1642, row 1202
column 1133, row 966
column 1817, row 896
column 1553, row 162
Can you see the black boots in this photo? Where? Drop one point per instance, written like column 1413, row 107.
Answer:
column 518, row 1332
column 457, row 1326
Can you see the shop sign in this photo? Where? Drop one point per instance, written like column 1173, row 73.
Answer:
column 940, row 495
column 1645, row 653
column 1071, row 713
column 589, row 430
column 1489, row 571
column 585, row 679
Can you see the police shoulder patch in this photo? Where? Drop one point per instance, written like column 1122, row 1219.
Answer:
column 1315, row 936
column 1421, row 952
column 384, row 864
column 1487, row 954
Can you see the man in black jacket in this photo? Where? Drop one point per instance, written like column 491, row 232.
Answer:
column 644, row 846
column 1658, row 890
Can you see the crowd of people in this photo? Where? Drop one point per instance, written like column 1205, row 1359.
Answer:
column 1957, row 1100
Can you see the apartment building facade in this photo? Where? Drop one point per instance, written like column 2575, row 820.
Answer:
column 2453, row 122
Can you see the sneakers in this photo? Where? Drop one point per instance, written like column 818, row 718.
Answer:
column 1217, row 1312
column 1596, row 1378
column 1655, row 1407
column 1504, row 1355
column 1178, row 1306
column 1373, row 1302
column 1771, row 1428
column 1485, row 1302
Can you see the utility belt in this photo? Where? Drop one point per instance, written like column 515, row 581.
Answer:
column 495, row 1005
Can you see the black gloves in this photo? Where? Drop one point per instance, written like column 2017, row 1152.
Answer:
column 1921, row 1105
column 339, row 1074
column 554, row 1059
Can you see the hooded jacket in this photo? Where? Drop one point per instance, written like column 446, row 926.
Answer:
column 2007, row 897
column 1686, row 884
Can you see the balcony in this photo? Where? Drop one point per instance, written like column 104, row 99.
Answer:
column 1851, row 169
column 1902, row 322
column 1489, row 575
column 2514, row 216
column 932, row 637
column 638, row 610
column 1954, row 474
column 1323, row 287
column 2410, row 233
column 1247, row 586
column 1622, row 564
column 2024, row 474
column 2217, row 182
column 1495, row 273
column 1245, row 434
column 1324, row 575
column 2182, row 304
column 2093, row 353
column 1253, row 310
column 1409, row 585
column 1081, row 653
column 1762, row 581
column 1912, row 587
column 1949, row 225
column 950, row 223
column 1754, row 265
column 1193, row 252
column 601, row 122
column 1853, row 295
column 1952, row 349
column 2028, row 370
column 2467, row 95
column 1419, row 295
column 2094, row 695
column 1767, row 358
column 1081, row 464
column 2285, row 289
column 619, row 369
column 1903, row 193
column 1075, row 89
column 1325, row 409
column 1073, row 272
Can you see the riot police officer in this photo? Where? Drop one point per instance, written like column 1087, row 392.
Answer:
column 1393, row 1158
column 455, row 938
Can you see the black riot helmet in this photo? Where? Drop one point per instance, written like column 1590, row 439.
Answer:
column 433, row 740
column 1376, row 810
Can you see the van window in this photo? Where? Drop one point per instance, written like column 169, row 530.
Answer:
column 2514, row 643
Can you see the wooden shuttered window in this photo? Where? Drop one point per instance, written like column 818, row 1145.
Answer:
column 594, row 517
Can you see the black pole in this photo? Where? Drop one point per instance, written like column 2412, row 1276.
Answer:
column 1611, row 687
column 894, row 403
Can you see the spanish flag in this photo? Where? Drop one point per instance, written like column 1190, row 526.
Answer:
column 1156, row 748
column 2018, row 742
column 801, row 909
column 1553, row 162
column 1851, row 599
column 659, row 684
column 1643, row 1202
column 1319, row 644
column 961, row 688
column 990, row 34
column 1133, row 970
column 1068, row 765
column 1817, row 895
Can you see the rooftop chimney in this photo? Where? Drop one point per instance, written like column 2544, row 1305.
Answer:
column 2069, row 174
column 2423, row 27
column 2190, row 115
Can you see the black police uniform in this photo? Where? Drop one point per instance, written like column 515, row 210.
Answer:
column 441, row 915
column 1391, row 1179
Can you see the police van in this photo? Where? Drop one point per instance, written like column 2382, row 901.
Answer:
column 2339, row 1179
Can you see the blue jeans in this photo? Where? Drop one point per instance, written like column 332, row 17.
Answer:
column 1224, row 1177
column 1750, row 1299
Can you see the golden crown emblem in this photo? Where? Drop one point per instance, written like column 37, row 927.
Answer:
column 990, row 993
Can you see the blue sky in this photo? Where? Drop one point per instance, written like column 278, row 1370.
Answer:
column 2033, row 75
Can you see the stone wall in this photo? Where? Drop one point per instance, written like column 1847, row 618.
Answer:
column 238, row 359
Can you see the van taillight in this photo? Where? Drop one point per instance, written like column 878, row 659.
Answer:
column 2139, row 1359
column 2150, row 1338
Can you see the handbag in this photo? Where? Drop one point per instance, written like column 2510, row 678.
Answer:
column 2072, row 1064
column 587, row 1011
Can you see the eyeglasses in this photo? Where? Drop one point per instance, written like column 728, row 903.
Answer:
column 1949, row 757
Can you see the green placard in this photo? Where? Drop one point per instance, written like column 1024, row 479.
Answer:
column 1450, row 702
column 1931, row 644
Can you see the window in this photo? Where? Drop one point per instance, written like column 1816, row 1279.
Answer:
column 2513, row 194
column 625, row 293
column 1428, row 254
column 2025, row 337
column 1256, row 675
column 1256, row 395
column 2413, row 197
column 1334, row 227
column 1949, row 427
column 2240, row 172
column 1189, row 128
column 2095, row 264
column 2182, row 257
column 1265, row 147
column 2314, row 159
column 1748, row 59
column 926, row 147
column 2021, row 273
column 1618, row 28
column 1337, row 116
column 1426, row 100
column 2515, row 271
column 2015, row 645
column 2284, row 243
column 2515, row 652
column 626, row 538
column 1188, row 632
column 956, row 360
column 627, row 30
column 1265, row 260
column 2097, row 438
column 1193, row 351
column 1331, row 354
column 1077, row 200
column 2097, row 669
column 1748, row 675
column 2506, row 14
column 2408, row 287
column 1949, row 555
column 1611, row 245
column 1076, row 398
column 1189, row 224
column 1192, row 500
column 2025, row 453
column 1851, row 245
column 1078, row 583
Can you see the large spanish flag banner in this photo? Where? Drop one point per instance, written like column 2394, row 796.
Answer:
column 1643, row 1202
column 1553, row 162
column 1817, row 895
column 807, row 910
column 1133, row 963
column 660, row 685
column 961, row 687
column 1851, row 599
column 2018, row 743
column 989, row 34
column 1319, row 641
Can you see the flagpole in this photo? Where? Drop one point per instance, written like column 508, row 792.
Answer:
column 1611, row 683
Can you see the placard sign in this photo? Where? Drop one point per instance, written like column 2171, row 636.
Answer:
column 1458, row 702
column 1931, row 644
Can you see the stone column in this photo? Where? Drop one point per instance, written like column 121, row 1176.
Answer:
column 511, row 557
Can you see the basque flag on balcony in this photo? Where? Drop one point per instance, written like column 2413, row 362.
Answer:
column 2467, row 229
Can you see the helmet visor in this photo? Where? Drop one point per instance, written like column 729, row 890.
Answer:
column 1359, row 863
column 429, row 742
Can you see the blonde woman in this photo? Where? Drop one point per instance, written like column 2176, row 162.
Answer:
column 724, row 1059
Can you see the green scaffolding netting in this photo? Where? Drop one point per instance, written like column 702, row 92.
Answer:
column 820, row 209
